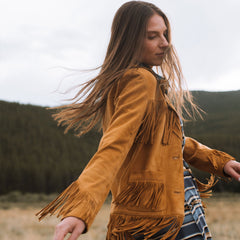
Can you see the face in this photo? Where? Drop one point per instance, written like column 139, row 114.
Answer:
column 155, row 42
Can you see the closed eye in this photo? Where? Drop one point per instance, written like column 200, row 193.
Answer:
column 151, row 37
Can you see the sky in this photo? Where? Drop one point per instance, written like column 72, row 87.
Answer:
column 42, row 42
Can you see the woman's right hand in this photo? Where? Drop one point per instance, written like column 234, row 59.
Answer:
column 72, row 225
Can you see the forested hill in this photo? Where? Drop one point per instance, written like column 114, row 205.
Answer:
column 222, row 113
column 36, row 156
column 220, row 126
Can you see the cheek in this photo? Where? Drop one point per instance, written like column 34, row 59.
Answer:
column 148, row 50
column 149, row 47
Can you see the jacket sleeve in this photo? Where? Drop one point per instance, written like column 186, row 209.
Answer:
column 84, row 197
column 205, row 158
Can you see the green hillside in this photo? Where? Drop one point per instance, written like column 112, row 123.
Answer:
column 222, row 113
column 35, row 155
column 220, row 125
column 219, row 128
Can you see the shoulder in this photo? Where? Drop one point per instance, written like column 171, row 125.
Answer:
column 139, row 76
column 141, row 73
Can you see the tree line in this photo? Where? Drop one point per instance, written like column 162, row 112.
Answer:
column 36, row 156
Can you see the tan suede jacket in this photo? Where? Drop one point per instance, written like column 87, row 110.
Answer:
column 140, row 160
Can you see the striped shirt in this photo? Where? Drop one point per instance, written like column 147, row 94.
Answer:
column 194, row 224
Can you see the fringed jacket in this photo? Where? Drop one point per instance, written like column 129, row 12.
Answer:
column 140, row 159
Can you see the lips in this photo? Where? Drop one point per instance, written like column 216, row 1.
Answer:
column 160, row 54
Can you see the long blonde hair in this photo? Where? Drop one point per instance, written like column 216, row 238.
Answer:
column 123, row 52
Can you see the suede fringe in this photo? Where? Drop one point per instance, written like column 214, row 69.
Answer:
column 123, row 227
column 168, row 129
column 67, row 201
column 149, row 124
column 204, row 189
column 216, row 156
column 146, row 195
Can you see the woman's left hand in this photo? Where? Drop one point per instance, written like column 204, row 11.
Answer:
column 232, row 168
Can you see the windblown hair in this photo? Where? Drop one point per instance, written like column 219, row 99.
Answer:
column 124, row 50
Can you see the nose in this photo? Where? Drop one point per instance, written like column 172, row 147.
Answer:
column 163, row 43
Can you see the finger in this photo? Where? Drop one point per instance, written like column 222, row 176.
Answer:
column 60, row 233
column 76, row 233
column 234, row 174
column 237, row 171
column 58, row 236
column 237, row 167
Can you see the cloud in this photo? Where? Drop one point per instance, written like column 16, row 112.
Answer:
column 206, row 39
column 38, row 37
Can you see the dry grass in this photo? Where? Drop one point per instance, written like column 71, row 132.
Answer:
column 18, row 222
column 223, row 217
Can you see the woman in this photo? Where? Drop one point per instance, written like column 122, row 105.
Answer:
column 140, row 156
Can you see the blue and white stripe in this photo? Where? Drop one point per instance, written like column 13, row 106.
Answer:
column 194, row 225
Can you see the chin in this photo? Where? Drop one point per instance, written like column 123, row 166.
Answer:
column 153, row 63
column 157, row 64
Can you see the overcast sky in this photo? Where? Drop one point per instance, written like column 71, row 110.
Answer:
column 38, row 39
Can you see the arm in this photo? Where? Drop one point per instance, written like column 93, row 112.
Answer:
column 84, row 197
column 205, row 158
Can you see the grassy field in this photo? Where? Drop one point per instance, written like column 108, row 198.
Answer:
column 18, row 221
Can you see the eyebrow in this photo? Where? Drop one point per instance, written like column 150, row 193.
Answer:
column 156, row 32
